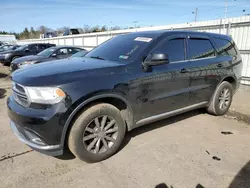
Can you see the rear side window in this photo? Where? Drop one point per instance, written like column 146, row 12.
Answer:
column 175, row 48
column 42, row 46
column 200, row 48
column 73, row 50
column 225, row 47
column 33, row 48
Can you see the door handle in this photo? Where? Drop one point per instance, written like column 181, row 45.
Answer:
column 219, row 65
column 184, row 70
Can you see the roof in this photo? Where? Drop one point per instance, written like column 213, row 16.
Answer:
column 66, row 46
column 162, row 32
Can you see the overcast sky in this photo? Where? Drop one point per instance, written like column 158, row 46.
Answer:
column 17, row 14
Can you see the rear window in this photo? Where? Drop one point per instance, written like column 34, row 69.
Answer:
column 225, row 47
column 200, row 48
column 123, row 48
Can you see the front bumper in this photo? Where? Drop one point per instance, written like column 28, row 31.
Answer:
column 40, row 128
column 3, row 60
column 53, row 150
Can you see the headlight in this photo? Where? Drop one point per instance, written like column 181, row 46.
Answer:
column 25, row 63
column 45, row 95
column 6, row 55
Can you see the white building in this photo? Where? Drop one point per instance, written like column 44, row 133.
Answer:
column 8, row 39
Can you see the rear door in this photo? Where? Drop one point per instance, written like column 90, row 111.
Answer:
column 204, row 68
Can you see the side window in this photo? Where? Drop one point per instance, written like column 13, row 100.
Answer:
column 175, row 48
column 62, row 51
column 225, row 47
column 200, row 48
column 42, row 47
column 33, row 48
column 73, row 50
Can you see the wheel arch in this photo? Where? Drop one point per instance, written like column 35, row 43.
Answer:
column 115, row 99
column 231, row 80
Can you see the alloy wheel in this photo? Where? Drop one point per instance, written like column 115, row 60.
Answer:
column 100, row 134
column 224, row 99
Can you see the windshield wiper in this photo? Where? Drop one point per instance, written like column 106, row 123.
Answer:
column 97, row 57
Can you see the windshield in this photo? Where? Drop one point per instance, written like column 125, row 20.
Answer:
column 123, row 48
column 47, row 52
column 22, row 47
column 79, row 54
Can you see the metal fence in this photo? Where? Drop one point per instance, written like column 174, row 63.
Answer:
column 238, row 28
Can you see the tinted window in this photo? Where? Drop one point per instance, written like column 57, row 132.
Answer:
column 225, row 47
column 42, row 46
column 33, row 48
column 122, row 48
column 175, row 48
column 62, row 51
column 200, row 48
column 47, row 52
column 73, row 50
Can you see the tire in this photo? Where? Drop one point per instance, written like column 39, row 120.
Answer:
column 85, row 125
column 215, row 107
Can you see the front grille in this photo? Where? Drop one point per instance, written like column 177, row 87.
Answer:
column 20, row 95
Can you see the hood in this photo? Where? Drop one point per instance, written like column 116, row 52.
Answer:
column 28, row 58
column 62, row 71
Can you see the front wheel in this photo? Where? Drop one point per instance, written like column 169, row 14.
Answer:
column 97, row 133
column 221, row 100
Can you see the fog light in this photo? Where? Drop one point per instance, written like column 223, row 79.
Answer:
column 34, row 138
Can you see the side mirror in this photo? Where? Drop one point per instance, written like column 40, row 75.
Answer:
column 26, row 50
column 155, row 60
column 53, row 55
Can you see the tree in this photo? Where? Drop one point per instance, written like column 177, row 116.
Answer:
column 95, row 29
column 116, row 28
column 24, row 34
column 32, row 33
column 86, row 29
column 43, row 29
column 104, row 28
column 61, row 30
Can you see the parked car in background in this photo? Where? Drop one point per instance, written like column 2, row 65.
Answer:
column 50, row 54
column 71, row 32
column 8, row 47
column 7, row 57
column 88, row 104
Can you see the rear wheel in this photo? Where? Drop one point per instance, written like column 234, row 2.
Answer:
column 221, row 100
column 97, row 133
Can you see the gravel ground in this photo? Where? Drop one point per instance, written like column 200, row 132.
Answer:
column 190, row 150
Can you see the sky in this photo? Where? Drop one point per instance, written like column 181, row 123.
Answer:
column 15, row 15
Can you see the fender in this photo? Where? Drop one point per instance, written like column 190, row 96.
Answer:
column 84, row 103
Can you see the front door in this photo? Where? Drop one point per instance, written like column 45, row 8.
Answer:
column 166, row 87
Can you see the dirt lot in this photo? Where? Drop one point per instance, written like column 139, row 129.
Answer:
column 184, row 151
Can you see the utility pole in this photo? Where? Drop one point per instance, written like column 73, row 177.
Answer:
column 225, row 15
column 226, row 7
column 195, row 14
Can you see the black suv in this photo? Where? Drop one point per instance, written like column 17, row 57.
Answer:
column 88, row 104
column 29, row 49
